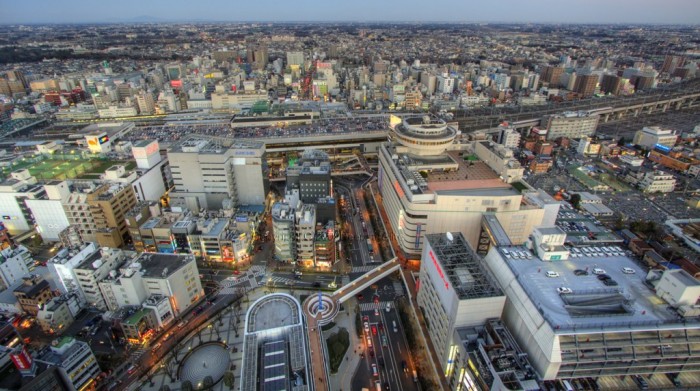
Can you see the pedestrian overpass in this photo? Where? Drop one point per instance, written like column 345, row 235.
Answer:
column 367, row 279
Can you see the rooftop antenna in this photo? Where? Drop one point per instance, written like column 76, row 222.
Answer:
column 449, row 236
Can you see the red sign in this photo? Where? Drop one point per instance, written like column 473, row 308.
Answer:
column 437, row 266
column 22, row 360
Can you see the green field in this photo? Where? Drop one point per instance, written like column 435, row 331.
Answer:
column 60, row 169
column 582, row 177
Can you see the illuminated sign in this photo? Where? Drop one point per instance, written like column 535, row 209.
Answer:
column 176, row 83
column 398, row 189
column 418, row 229
column 244, row 153
column 556, row 257
column 662, row 148
column 22, row 360
column 439, row 269
column 6, row 217
column 241, row 219
column 104, row 139
column 393, row 121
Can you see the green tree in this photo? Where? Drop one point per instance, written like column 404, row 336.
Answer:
column 208, row 382
column 186, row 385
column 575, row 200
column 229, row 379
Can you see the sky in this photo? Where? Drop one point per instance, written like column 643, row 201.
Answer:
column 518, row 11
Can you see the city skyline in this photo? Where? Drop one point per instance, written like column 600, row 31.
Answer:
column 506, row 11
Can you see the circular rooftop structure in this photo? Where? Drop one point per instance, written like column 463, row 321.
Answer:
column 210, row 359
column 271, row 312
column 424, row 135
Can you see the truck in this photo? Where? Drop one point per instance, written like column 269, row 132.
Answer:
column 370, row 249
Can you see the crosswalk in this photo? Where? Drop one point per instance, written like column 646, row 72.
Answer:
column 398, row 288
column 137, row 353
column 363, row 269
column 376, row 306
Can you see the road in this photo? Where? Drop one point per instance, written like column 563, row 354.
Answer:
column 145, row 358
column 389, row 349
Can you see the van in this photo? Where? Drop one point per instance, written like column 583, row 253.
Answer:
column 415, row 376
column 377, row 386
column 388, row 307
column 396, row 329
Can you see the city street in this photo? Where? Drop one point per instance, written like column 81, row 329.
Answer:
column 389, row 348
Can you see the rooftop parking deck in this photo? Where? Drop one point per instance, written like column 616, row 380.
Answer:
column 590, row 302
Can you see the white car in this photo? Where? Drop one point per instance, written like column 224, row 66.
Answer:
column 551, row 274
column 366, row 327
column 597, row 270
column 628, row 270
column 562, row 290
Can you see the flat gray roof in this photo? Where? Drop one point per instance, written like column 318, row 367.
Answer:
column 644, row 307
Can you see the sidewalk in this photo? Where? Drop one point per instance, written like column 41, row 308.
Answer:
column 342, row 380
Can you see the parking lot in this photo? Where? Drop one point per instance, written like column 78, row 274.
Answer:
column 172, row 132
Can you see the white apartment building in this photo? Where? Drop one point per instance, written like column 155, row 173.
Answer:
column 235, row 102
column 62, row 265
column 284, row 232
column 657, row 182
column 305, row 233
column 174, row 276
column 15, row 214
column 509, row 137
column 49, row 216
column 652, row 135
column 572, row 125
column 14, row 265
column 96, row 268
column 74, row 359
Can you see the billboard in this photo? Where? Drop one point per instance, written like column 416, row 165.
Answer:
column 22, row 360
column 104, row 139
column 662, row 148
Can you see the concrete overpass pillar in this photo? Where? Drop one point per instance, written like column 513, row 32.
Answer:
column 636, row 112
column 606, row 117
column 679, row 104
column 664, row 107
column 620, row 114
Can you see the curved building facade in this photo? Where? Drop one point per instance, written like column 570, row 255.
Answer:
column 433, row 182
column 274, row 346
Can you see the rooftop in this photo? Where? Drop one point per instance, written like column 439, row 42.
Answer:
column 136, row 317
column 446, row 173
column 462, row 267
column 591, row 304
column 159, row 265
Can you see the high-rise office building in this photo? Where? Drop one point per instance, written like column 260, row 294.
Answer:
column 311, row 174
column 456, row 290
column 207, row 171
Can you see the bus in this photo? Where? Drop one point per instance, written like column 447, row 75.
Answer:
column 370, row 249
